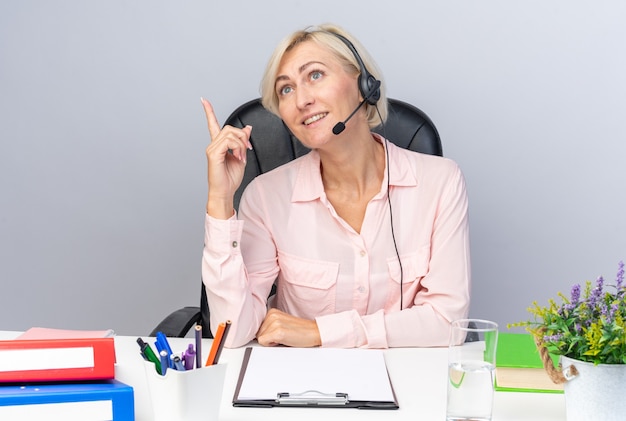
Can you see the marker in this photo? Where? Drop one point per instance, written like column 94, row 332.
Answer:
column 198, row 346
column 142, row 344
column 148, row 354
column 189, row 357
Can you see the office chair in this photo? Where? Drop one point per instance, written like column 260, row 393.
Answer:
column 274, row 145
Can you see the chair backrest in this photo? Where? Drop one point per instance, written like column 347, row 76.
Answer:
column 273, row 144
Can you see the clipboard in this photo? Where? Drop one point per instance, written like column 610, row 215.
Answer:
column 314, row 378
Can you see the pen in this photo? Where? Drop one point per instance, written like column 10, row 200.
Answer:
column 164, row 345
column 164, row 362
column 148, row 354
column 218, row 342
column 178, row 364
column 198, row 346
column 158, row 347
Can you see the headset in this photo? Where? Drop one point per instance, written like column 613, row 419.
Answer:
column 369, row 86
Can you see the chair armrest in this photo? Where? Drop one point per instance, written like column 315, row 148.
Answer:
column 178, row 323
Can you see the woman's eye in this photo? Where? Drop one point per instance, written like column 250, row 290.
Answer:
column 285, row 90
column 316, row 75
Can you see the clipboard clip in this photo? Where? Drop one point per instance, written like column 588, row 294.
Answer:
column 312, row 397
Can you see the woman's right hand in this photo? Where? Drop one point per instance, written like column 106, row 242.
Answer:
column 226, row 159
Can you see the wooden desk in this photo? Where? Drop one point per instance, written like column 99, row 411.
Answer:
column 418, row 376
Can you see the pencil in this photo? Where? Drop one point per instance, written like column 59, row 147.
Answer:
column 218, row 343
column 221, row 344
column 198, row 346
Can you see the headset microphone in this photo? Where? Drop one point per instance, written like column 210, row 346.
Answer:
column 340, row 127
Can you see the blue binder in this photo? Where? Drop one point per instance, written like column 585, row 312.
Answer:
column 108, row 400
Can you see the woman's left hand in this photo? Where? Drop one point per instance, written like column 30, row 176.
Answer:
column 280, row 328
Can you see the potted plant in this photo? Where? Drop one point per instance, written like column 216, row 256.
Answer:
column 587, row 330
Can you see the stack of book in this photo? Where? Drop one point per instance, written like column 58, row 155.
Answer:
column 62, row 374
column 519, row 367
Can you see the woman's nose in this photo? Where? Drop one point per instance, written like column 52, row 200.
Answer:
column 304, row 97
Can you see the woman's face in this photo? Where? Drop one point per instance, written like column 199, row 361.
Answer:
column 315, row 92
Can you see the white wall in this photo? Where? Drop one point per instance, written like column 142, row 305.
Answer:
column 102, row 137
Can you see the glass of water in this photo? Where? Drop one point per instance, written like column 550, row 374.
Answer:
column 471, row 370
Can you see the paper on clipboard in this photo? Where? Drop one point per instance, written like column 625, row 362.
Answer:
column 361, row 374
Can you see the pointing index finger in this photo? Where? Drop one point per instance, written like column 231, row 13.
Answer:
column 214, row 125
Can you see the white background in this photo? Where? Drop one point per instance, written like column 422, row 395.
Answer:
column 102, row 138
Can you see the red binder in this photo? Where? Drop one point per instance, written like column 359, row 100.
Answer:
column 42, row 360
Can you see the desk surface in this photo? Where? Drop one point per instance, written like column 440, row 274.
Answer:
column 418, row 376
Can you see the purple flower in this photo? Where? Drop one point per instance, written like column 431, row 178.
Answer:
column 575, row 294
column 604, row 309
column 553, row 338
column 596, row 293
column 575, row 297
column 620, row 275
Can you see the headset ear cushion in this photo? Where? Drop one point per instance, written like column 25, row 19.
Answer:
column 366, row 83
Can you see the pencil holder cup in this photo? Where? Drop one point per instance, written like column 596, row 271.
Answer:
column 186, row 395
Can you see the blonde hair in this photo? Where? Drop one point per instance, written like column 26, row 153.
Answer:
column 324, row 35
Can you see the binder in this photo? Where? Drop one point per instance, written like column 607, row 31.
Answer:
column 51, row 333
column 40, row 360
column 84, row 401
column 314, row 377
